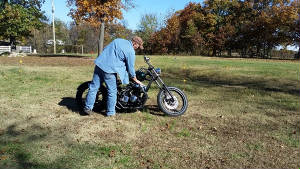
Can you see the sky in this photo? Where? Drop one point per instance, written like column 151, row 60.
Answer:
column 131, row 17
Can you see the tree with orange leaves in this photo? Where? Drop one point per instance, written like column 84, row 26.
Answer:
column 98, row 12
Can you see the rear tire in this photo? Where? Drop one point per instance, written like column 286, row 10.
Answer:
column 176, row 107
column 82, row 92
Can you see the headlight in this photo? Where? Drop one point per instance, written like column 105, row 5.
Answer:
column 140, row 75
column 158, row 71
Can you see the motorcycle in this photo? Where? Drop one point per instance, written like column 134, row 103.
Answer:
column 170, row 100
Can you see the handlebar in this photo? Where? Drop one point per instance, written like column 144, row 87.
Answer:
column 147, row 59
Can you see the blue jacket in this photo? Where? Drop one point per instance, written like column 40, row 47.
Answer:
column 118, row 57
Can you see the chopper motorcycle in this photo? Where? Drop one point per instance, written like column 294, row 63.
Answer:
column 170, row 100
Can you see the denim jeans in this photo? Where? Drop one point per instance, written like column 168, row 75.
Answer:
column 110, row 80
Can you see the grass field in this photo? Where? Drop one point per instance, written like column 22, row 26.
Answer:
column 243, row 113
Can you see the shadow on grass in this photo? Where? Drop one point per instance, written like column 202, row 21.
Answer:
column 263, row 84
column 19, row 150
column 70, row 103
column 14, row 142
column 252, row 84
column 153, row 109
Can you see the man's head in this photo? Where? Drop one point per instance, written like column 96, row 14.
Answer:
column 137, row 42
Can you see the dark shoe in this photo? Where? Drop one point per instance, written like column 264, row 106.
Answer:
column 87, row 111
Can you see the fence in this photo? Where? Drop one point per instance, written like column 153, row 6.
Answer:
column 23, row 49
column 5, row 49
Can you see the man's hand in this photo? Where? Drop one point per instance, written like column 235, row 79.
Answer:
column 137, row 81
column 142, row 86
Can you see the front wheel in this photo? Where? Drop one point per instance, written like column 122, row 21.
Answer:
column 174, row 105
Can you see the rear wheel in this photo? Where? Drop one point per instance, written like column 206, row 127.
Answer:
column 82, row 91
column 174, row 105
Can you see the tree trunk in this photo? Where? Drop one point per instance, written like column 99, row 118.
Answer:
column 229, row 52
column 297, row 55
column 258, row 54
column 101, row 39
column 12, row 42
column 214, row 52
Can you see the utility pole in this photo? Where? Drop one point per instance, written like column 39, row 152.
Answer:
column 53, row 28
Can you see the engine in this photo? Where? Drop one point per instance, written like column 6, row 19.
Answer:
column 133, row 96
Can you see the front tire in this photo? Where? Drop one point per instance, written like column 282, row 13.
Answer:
column 172, row 107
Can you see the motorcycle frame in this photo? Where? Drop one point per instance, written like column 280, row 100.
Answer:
column 155, row 77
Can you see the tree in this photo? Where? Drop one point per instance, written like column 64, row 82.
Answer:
column 86, row 35
column 191, row 34
column 117, row 30
column 98, row 12
column 251, row 27
column 270, row 23
column 166, row 40
column 61, row 30
column 40, row 37
column 147, row 27
column 220, row 27
column 19, row 17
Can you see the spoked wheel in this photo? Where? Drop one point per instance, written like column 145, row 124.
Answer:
column 82, row 91
column 174, row 105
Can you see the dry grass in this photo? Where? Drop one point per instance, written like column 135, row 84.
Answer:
column 242, row 114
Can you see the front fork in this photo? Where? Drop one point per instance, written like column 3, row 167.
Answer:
column 159, row 83
column 162, row 86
